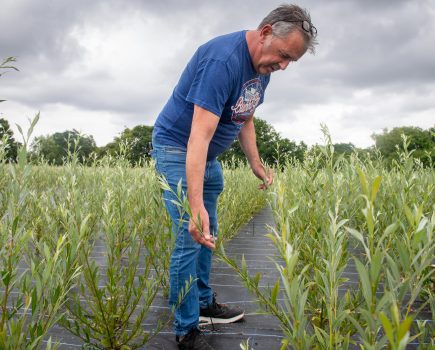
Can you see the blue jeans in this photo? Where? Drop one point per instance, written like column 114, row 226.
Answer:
column 189, row 259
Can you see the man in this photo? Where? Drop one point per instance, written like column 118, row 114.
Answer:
column 212, row 104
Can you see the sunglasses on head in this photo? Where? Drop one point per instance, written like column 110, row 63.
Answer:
column 307, row 26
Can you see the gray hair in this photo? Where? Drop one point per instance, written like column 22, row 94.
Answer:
column 282, row 20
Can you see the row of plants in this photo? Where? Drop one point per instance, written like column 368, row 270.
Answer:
column 100, row 238
column 54, row 222
column 351, row 217
column 88, row 248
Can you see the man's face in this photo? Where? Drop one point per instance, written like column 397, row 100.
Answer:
column 276, row 53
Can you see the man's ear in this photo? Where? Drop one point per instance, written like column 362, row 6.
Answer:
column 265, row 32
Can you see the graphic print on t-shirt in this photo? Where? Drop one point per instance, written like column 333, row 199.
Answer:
column 247, row 102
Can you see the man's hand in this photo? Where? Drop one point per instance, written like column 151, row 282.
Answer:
column 264, row 175
column 248, row 143
column 199, row 228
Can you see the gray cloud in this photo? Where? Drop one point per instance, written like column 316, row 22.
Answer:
column 382, row 48
column 382, row 44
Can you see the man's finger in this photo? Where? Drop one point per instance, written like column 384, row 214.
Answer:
column 207, row 243
column 270, row 177
column 268, row 180
column 206, row 236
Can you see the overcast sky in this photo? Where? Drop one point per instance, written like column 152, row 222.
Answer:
column 100, row 66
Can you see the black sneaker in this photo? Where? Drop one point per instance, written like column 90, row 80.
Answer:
column 219, row 313
column 194, row 340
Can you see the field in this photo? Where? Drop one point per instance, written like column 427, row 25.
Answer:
column 333, row 215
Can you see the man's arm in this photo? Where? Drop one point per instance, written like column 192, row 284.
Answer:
column 248, row 142
column 204, row 124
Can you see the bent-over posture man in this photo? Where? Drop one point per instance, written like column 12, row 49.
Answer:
column 212, row 104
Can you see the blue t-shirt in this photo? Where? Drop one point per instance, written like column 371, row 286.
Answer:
column 220, row 78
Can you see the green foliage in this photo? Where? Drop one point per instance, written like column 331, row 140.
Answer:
column 332, row 212
column 111, row 302
column 272, row 148
column 28, row 264
column 421, row 143
column 5, row 66
column 351, row 216
column 238, row 204
column 56, row 148
column 344, row 148
column 137, row 140
column 6, row 134
column 235, row 206
column 7, row 139
column 100, row 237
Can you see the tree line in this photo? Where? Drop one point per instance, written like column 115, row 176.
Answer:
column 134, row 145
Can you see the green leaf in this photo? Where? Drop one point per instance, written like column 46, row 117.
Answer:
column 285, row 344
column 6, row 277
column 275, row 292
column 402, row 343
column 388, row 328
column 244, row 267
column 20, row 130
column 365, row 281
column 391, row 229
column 358, row 235
column 321, row 335
column 418, row 238
column 375, row 188
column 370, row 221
column 395, row 314
column 34, row 300
column 409, row 215
column 404, row 328
column 363, row 182
column 257, row 279
column 376, row 265
column 32, row 125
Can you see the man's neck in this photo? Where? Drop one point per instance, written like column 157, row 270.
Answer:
column 253, row 41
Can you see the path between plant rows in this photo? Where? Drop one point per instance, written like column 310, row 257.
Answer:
column 263, row 331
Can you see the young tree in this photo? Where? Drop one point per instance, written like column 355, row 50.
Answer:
column 271, row 146
column 421, row 142
column 55, row 148
column 11, row 152
column 137, row 140
column 344, row 148
column 7, row 134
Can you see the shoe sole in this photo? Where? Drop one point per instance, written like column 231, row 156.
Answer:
column 204, row 321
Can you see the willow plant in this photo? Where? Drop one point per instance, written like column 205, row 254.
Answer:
column 114, row 295
column 291, row 313
column 27, row 266
column 340, row 216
